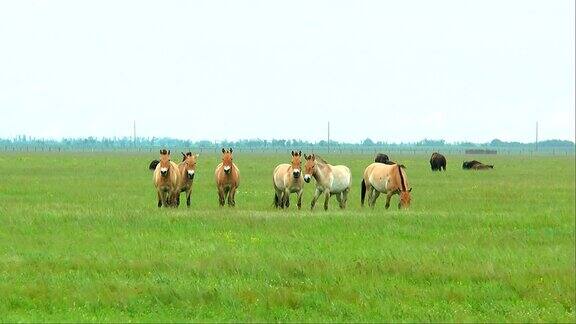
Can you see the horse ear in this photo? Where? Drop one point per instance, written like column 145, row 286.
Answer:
column 223, row 150
column 168, row 152
column 300, row 153
column 305, row 157
column 230, row 150
column 196, row 155
column 292, row 153
column 184, row 155
column 313, row 156
column 410, row 190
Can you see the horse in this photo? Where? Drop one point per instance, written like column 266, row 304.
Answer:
column 476, row 165
column 388, row 179
column 437, row 162
column 166, row 179
column 287, row 180
column 330, row 180
column 187, row 169
column 383, row 158
column 227, row 176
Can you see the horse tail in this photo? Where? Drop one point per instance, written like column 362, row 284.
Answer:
column 362, row 192
column 153, row 165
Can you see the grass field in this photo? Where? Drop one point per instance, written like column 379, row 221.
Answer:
column 81, row 239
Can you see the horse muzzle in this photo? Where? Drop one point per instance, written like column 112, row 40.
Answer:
column 164, row 172
column 296, row 174
column 227, row 169
column 307, row 178
column 191, row 174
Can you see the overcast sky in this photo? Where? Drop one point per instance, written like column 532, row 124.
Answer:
column 388, row 70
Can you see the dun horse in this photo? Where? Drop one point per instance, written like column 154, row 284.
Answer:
column 166, row 179
column 187, row 169
column 388, row 179
column 287, row 179
column 227, row 178
column 330, row 180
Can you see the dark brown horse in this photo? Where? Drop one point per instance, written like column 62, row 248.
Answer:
column 476, row 165
column 383, row 158
column 437, row 162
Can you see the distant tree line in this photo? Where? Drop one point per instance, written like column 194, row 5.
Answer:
column 158, row 142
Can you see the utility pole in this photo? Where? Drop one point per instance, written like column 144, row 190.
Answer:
column 536, row 136
column 328, row 137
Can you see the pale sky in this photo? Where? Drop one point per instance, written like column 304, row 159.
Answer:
column 395, row 71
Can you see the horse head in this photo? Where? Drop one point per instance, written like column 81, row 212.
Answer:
column 164, row 162
column 227, row 160
column 309, row 167
column 296, row 164
column 189, row 161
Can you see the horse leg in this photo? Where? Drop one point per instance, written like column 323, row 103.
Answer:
column 300, row 198
column 188, row 192
column 287, row 197
column 388, row 196
column 327, row 197
column 339, row 198
column 345, row 197
column 277, row 198
column 374, row 197
column 159, row 199
column 221, row 196
column 231, row 195
column 316, row 195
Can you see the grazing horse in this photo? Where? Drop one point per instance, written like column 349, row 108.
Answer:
column 227, row 178
column 166, row 179
column 388, row 179
column 187, row 169
column 437, row 162
column 330, row 180
column 287, row 180
column 476, row 165
column 383, row 158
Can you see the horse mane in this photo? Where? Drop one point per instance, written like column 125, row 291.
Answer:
column 321, row 159
column 400, row 167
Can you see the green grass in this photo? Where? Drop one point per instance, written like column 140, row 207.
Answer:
column 81, row 239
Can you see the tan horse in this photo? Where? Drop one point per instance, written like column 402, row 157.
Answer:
column 166, row 179
column 187, row 169
column 388, row 179
column 330, row 180
column 287, row 180
column 227, row 178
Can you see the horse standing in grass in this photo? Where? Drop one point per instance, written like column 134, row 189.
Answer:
column 330, row 180
column 166, row 179
column 187, row 169
column 437, row 162
column 227, row 178
column 287, row 180
column 388, row 179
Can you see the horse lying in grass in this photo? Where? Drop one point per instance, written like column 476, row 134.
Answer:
column 166, row 179
column 476, row 165
column 227, row 176
column 388, row 179
column 287, row 180
column 330, row 180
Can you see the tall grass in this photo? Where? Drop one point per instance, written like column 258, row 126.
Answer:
column 81, row 239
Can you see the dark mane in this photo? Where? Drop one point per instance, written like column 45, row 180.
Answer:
column 321, row 159
column 400, row 167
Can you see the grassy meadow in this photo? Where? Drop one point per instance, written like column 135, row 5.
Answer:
column 81, row 239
